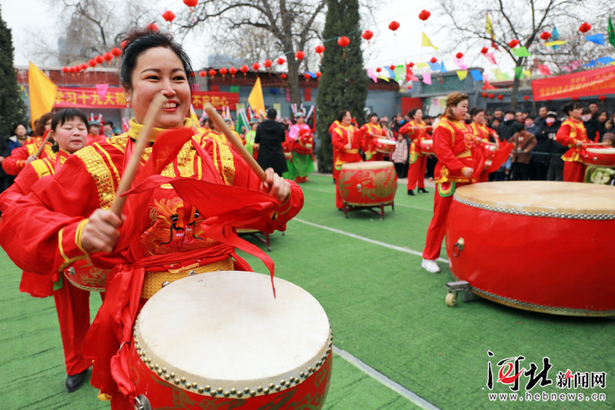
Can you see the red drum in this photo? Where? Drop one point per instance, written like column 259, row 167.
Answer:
column 540, row 246
column 86, row 276
column 599, row 156
column 426, row 147
column 368, row 183
column 384, row 145
column 220, row 340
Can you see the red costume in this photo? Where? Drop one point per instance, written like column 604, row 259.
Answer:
column 332, row 128
column 571, row 132
column 456, row 149
column 485, row 134
column 13, row 164
column 342, row 136
column 369, row 143
column 418, row 161
column 163, row 233
column 92, row 139
column 72, row 303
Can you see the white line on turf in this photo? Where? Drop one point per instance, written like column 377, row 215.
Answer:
column 375, row 374
column 386, row 245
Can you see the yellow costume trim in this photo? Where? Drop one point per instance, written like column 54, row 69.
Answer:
column 41, row 168
column 78, row 236
column 100, row 173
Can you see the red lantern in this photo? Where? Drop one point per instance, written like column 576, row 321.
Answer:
column 191, row 3
column 151, row 27
column 212, row 73
column 280, row 61
column 545, row 35
column 491, row 95
column 65, row 69
column 223, row 71
column 459, row 55
column 283, row 76
column 393, row 26
column 202, row 73
column 123, row 43
column 343, row 41
column 392, row 67
column 527, row 97
column 84, row 66
column 168, row 16
column 318, row 74
column 575, row 98
column 76, row 69
column 256, row 66
column 602, row 98
column 299, row 55
column 424, row 15
column 116, row 52
column 319, row 50
column 244, row 69
column 307, row 76
column 193, row 74
column 92, row 63
column 99, row 59
column 108, row 57
column 433, row 60
column 513, row 43
column 367, row 35
column 268, row 63
column 484, row 50
column 378, row 69
column 500, row 97
column 233, row 71
column 585, row 27
column 484, row 95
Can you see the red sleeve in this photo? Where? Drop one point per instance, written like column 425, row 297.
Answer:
column 337, row 140
column 13, row 164
column 40, row 240
column 20, row 188
column 406, row 129
column 563, row 136
column 443, row 148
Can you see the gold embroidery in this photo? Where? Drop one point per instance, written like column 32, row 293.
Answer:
column 119, row 142
column 41, row 168
column 116, row 174
column 228, row 165
column 100, row 173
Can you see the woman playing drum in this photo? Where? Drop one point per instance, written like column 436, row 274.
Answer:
column 345, row 149
column 573, row 135
column 162, row 236
column 485, row 134
column 417, row 131
column 373, row 131
column 458, row 157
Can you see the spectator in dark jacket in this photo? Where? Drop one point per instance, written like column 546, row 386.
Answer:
column 542, row 116
column 556, row 165
column 270, row 135
column 524, row 143
column 541, row 157
column 602, row 116
column 4, row 152
column 507, row 128
column 590, row 120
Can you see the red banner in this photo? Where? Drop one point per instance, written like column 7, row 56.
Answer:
column 68, row 97
column 583, row 84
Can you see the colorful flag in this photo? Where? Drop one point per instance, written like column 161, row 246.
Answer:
column 521, row 52
column 462, row 74
column 427, row 78
column 556, row 43
column 427, row 42
column 611, row 31
column 256, row 100
column 490, row 57
column 42, row 93
column 242, row 121
column 596, row 38
column 489, row 29
column 476, row 75
column 555, row 37
column 372, row 74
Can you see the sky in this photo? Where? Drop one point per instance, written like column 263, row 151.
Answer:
column 384, row 49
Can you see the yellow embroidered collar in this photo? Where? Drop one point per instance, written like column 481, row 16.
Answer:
column 135, row 128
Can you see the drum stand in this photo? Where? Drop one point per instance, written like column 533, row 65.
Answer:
column 459, row 286
column 353, row 208
column 254, row 233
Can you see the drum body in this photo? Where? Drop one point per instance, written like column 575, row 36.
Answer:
column 368, row 183
column 384, row 145
column 599, row 156
column 541, row 246
column 221, row 340
column 83, row 275
column 426, row 147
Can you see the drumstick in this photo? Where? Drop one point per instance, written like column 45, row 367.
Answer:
column 40, row 149
column 238, row 145
column 133, row 164
column 595, row 143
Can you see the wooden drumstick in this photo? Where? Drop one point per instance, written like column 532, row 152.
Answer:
column 238, row 145
column 40, row 149
column 133, row 164
column 595, row 143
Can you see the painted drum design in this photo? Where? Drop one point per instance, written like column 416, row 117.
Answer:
column 599, row 156
column 426, row 147
column 220, row 340
column 541, row 246
column 368, row 183
column 385, row 146
column 86, row 276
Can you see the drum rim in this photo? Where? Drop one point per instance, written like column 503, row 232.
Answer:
column 607, row 151
column 150, row 357
column 367, row 165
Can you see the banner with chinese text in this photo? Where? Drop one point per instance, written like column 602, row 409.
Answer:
column 582, row 84
column 114, row 98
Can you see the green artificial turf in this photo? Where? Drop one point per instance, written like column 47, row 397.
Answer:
column 384, row 309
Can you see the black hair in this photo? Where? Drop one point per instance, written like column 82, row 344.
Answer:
column 570, row 107
column 412, row 112
column 17, row 124
column 475, row 111
column 62, row 116
column 602, row 111
column 373, row 114
column 526, row 111
column 593, row 102
column 39, row 124
column 509, row 112
column 530, row 117
column 519, row 127
column 272, row 114
column 109, row 123
column 139, row 40
column 342, row 114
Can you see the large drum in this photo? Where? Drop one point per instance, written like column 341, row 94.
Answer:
column 367, row 183
column 83, row 275
column 385, row 146
column 426, row 147
column 600, row 156
column 220, row 340
column 541, row 246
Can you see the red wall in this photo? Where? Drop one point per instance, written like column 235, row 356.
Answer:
column 409, row 103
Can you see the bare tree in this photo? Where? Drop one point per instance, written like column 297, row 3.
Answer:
column 290, row 22
column 512, row 19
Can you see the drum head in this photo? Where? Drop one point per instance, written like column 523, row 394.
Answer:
column 608, row 151
column 569, row 198
column 368, row 165
column 225, row 329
